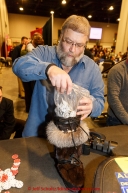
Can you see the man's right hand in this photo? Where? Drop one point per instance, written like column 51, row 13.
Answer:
column 60, row 79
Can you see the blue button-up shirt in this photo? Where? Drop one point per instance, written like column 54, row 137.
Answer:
column 32, row 67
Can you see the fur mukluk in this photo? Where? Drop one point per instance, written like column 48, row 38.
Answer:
column 73, row 176
column 70, row 167
column 61, row 139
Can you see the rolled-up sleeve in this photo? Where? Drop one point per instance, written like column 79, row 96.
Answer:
column 32, row 66
column 29, row 68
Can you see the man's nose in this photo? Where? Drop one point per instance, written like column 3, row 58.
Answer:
column 72, row 47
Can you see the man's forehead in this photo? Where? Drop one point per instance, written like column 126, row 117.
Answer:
column 25, row 39
column 68, row 30
column 69, row 33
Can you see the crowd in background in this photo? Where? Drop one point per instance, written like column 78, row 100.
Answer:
column 98, row 53
column 101, row 54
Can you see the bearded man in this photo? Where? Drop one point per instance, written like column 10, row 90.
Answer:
column 58, row 67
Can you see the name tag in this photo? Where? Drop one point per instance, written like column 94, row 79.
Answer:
column 123, row 181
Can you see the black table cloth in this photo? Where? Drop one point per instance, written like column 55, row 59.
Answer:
column 37, row 169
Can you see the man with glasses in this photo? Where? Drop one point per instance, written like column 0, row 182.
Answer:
column 8, row 123
column 59, row 67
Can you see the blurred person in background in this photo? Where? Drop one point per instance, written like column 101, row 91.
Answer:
column 117, row 95
column 101, row 56
column 37, row 39
column 8, row 123
column 17, row 50
column 16, row 53
column 88, row 53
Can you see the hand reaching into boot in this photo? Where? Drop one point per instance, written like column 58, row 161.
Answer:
column 60, row 79
column 85, row 107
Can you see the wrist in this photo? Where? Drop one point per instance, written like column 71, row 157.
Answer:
column 48, row 67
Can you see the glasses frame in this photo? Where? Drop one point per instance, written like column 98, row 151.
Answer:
column 71, row 43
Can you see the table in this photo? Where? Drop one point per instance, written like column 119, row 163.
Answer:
column 91, row 162
column 37, row 169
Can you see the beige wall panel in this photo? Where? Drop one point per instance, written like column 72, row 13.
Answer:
column 21, row 25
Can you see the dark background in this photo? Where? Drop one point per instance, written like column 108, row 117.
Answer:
column 97, row 8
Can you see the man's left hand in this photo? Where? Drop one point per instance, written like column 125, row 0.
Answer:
column 85, row 107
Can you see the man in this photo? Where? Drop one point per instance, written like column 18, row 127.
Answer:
column 15, row 54
column 117, row 94
column 61, row 65
column 17, row 49
column 8, row 123
column 101, row 56
column 88, row 53
column 37, row 39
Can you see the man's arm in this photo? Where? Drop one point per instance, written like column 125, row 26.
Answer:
column 33, row 67
column 9, row 120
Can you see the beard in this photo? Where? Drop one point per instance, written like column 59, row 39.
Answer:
column 65, row 59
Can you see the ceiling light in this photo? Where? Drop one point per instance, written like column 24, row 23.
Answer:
column 111, row 8
column 52, row 12
column 118, row 19
column 21, row 8
column 64, row 2
column 89, row 16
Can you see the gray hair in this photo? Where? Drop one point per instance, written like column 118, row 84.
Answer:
column 77, row 23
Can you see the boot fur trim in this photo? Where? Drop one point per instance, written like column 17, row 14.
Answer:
column 61, row 139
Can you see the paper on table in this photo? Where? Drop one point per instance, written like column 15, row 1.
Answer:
column 122, row 163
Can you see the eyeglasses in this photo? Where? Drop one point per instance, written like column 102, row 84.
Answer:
column 71, row 43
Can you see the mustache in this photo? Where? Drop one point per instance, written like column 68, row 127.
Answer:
column 69, row 54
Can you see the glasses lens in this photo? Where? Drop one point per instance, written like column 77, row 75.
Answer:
column 69, row 42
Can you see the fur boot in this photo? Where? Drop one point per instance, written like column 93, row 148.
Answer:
column 70, row 167
column 68, row 148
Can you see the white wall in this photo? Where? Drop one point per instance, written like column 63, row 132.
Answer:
column 108, row 32
column 21, row 25
column 4, row 23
